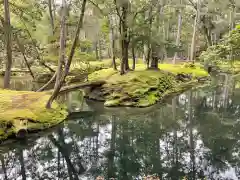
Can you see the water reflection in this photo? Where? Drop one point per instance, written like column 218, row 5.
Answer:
column 22, row 83
column 193, row 136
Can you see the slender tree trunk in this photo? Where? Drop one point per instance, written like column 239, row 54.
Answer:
column 161, row 28
column 207, row 36
column 96, row 50
column 8, row 39
column 125, row 42
column 48, row 83
column 50, row 3
column 99, row 50
column 231, row 27
column 133, row 57
column 193, row 45
column 154, row 62
column 61, row 60
column 71, row 55
column 112, row 39
column 21, row 49
column 76, row 39
column 149, row 36
column 178, row 31
column 145, row 52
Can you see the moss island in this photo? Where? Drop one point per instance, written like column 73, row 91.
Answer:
column 143, row 88
column 24, row 111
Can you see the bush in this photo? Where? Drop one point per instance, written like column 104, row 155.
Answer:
column 215, row 53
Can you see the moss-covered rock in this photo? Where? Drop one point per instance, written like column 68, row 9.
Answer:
column 141, row 88
column 27, row 110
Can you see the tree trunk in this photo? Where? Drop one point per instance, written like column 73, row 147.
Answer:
column 231, row 27
column 149, row 36
column 178, row 32
column 8, row 38
column 154, row 62
column 124, row 35
column 99, row 50
column 208, row 36
column 112, row 39
column 21, row 49
column 50, row 3
column 61, row 60
column 48, row 83
column 134, row 58
column 193, row 45
column 145, row 52
column 96, row 50
column 76, row 39
column 58, row 83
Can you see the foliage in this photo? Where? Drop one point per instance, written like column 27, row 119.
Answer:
column 229, row 46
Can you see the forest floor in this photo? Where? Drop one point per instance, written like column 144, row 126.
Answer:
column 143, row 88
column 23, row 111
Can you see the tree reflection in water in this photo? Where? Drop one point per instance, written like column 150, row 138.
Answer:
column 193, row 136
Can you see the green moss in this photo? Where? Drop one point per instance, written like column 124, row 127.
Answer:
column 16, row 106
column 101, row 74
column 196, row 72
column 141, row 88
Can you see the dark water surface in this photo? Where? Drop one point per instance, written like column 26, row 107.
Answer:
column 193, row 136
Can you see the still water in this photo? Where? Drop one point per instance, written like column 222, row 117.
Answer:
column 192, row 136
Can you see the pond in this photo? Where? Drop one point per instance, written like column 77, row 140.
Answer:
column 192, row 136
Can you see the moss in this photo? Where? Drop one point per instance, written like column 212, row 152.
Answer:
column 141, row 88
column 102, row 74
column 28, row 106
column 196, row 72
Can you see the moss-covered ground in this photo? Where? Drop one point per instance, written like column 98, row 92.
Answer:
column 142, row 88
column 27, row 109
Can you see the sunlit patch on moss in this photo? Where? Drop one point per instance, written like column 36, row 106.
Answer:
column 28, row 106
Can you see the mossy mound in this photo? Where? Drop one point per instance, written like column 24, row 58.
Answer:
column 23, row 109
column 140, row 88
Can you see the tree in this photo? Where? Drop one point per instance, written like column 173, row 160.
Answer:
column 178, row 38
column 194, row 34
column 62, row 74
column 8, row 40
column 50, row 3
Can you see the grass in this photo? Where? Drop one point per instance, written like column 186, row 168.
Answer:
column 27, row 107
column 142, row 88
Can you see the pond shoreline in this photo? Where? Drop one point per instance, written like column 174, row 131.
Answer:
column 141, row 88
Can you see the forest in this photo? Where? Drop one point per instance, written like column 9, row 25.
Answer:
column 123, row 53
